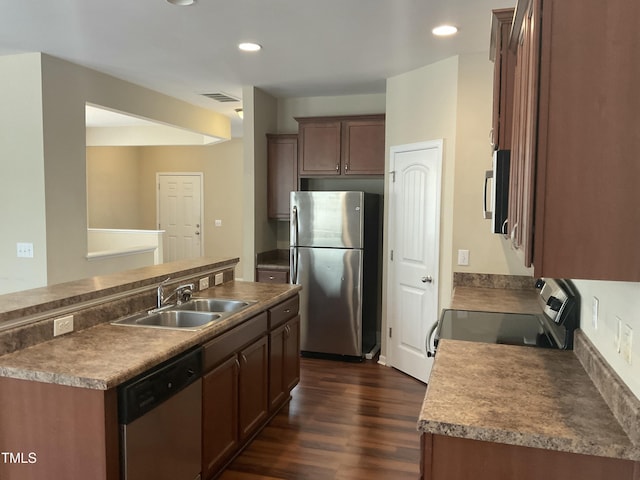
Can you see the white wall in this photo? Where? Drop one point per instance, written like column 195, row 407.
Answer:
column 616, row 300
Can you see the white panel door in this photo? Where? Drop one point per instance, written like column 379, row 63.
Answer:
column 180, row 215
column 414, row 218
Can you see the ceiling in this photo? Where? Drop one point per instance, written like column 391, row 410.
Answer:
column 310, row 47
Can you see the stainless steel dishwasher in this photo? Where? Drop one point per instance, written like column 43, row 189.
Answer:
column 160, row 414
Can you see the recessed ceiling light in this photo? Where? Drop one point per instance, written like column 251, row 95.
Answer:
column 249, row 47
column 181, row 3
column 444, row 30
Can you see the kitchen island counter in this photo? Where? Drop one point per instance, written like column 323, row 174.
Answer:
column 106, row 355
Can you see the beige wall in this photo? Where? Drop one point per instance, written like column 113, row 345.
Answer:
column 122, row 189
column 22, row 193
column 289, row 108
column 260, row 113
column 422, row 106
column 112, row 187
column 488, row 253
column 66, row 89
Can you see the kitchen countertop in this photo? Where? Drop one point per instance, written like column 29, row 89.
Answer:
column 106, row 355
column 520, row 396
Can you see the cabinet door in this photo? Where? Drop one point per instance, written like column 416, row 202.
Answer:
column 282, row 173
column 277, row 354
column 291, row 355
column 253, row 401
column 220, row 437
column 522, row 179
column 503, row 78
column 319, row 148
column 363, row 147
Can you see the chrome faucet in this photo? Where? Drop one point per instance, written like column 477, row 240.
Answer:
column 182, row 293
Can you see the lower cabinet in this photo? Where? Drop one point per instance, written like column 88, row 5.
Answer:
column 272, row 276
column 284, row 361
column 451, row 458
column 248, row 374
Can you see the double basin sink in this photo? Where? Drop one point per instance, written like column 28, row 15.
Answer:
column 194, row 314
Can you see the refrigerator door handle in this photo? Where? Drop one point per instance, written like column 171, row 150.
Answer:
column 294, row 245
column 428, row 343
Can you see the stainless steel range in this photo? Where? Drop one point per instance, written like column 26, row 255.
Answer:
column 553, row 328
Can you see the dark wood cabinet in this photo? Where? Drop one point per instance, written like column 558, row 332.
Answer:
column 220, row 436
column 253, row 387
column 235, row 391
column 574, row 211
column 282, row 172
column 451, row 458
column 503, row 78
column 272, row 276
column 334, row 146
column 284, row 351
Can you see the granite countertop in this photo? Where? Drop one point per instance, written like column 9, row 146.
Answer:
column 520, row 396
column 106, row 355
column 273, row 260
column 496, row 300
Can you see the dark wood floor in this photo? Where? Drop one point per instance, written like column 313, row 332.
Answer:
column 346, row 421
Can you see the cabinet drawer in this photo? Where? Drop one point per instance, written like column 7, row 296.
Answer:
column 283, row 311
column 273, row 276
column 231, row 342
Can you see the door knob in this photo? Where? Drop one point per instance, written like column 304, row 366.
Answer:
column 427, row 279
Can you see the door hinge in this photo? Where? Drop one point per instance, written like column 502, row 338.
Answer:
column 390, row 332
column 393, row 175
column 391, row 255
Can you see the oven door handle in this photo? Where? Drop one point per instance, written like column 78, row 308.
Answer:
column 427, row 346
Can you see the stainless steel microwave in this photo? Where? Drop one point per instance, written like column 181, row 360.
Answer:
column 496, row 208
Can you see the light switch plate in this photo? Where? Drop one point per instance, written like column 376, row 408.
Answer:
column 217, row 280
column 625, row 343
column 24, row 250
column 463, row 257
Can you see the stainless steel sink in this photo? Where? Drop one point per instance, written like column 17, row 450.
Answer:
column 212, row 305
column 195, row 314
column 174, row 319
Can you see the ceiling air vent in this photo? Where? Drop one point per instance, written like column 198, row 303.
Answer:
column 221, row 97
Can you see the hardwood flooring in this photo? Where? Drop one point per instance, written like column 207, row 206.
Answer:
column 346, row 421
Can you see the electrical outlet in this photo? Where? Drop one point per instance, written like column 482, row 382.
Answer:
column 217, row 222
column 463, row 257
column 217, row 280
column 594, row 312
column 24, row 250
column 204, row 283
column 625, row 343
column 62, row 325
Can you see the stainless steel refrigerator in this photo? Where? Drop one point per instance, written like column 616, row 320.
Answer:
column 335, row 256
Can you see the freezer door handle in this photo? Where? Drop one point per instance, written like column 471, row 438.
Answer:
column 294, row 245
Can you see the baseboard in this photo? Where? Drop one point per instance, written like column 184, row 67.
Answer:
column 382, row 360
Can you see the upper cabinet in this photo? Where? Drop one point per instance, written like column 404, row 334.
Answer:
column 504, row 60
column 331, row 146
column 282, row 173
column 576, row 137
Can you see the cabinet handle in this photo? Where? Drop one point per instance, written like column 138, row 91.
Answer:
column 287, row 331
column 244, row 358
column 288, row 310
column 503, row 230
column 271, row 277
column 514, row 230
column 338, row 167
column 346, row 167
column 237, row 364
